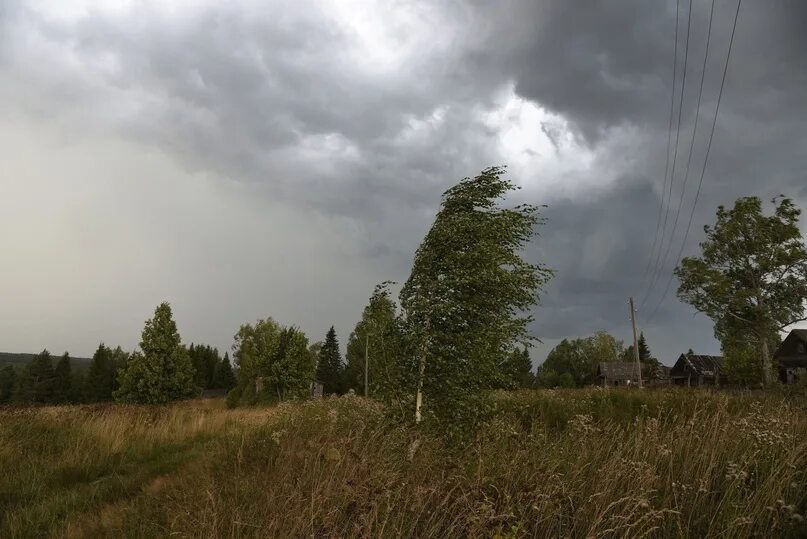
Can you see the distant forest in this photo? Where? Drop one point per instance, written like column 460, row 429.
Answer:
column 19, row 360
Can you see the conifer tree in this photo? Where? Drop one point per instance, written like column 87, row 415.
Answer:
column 100, row 380
column 62, row 379
column 163, row 371
column 224, row 377
column 8, row 380
column 644, row 350
column 330, row 368
column 36, row 383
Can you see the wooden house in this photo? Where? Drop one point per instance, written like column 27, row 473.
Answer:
column 618, row 373
column 791, row 357
column 698, row 370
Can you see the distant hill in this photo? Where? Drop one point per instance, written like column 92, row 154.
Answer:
column 18, row 360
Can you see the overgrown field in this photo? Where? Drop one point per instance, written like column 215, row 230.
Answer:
column 575, row 463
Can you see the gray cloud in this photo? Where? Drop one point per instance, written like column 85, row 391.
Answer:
column 328, row 136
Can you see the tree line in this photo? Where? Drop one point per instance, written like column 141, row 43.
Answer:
column 459, row 327
column 112, row 373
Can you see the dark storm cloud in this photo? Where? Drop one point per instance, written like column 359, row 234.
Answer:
column 287, row 102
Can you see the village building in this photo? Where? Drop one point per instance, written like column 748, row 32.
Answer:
column 624, row 373
column 618, row 373
column 698, row 370
column 791, row 357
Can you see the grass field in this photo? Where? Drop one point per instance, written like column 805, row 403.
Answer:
column 576, row 463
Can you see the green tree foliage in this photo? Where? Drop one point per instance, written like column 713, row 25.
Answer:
column 741, row 364
column 278, row 356
column 579, row 358
column 224, row 378
column 751, row 278
column 99, row 383
column 62, row 379
column 119, row 358
column 380, row 328
column 8, row 380
column 330, row 369
column 163, row 371
column 205, row 359
column 35, row 383
column 516, row 370
column 466, row 298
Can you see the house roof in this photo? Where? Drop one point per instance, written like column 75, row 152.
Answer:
column 618, row 370
column 791, row 353
column 800, row 333
column 700, row 364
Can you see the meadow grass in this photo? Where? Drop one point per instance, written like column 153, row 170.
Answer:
column 571, row 463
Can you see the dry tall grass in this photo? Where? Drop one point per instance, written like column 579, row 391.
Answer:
column 577, row 463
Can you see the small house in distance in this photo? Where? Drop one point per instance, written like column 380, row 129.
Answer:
column 698, row 370
column 618, row 373
column 791, row 356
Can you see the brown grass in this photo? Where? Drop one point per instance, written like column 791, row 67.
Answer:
column 577, row 463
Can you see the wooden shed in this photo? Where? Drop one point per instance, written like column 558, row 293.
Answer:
column 698, row 370
column 618, row 373
column 791, row 356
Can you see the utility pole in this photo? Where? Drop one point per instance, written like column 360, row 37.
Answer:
column 635, row 341
column 366, row 361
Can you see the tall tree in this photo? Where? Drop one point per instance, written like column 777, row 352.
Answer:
column 751, row 278
column 644, row 350
column 163, row 372
column 579, row 358
column 651, row 366
column 205, row 359
column 62, row 379
column 100, row 380
column 330, row 368
column 466, row 298
column 224, row 377
column 517, row 369
column 279, row 356
column 8, row 379
column 35, row 383
column 380, row 328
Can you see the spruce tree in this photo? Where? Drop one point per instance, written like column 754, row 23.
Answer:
column 330, row 368
column 163, row 372
column 100, row 380
column 8, row 379
column 224, row 377
column 644, row 350
column 41, row 377
column 62, row 379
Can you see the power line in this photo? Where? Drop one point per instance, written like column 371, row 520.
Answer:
column 657, row 265
column 705, row 161
column 669, row 143
column 694, row 136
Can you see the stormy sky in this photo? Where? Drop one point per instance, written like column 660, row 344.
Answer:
column 248, row 159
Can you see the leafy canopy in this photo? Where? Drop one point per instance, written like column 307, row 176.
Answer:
column 751, row 278
column 466, row 300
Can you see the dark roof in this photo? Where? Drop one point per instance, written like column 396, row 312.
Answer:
column 699, row 364
column 792, row 353
column 800, row 333
column 618, row 370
